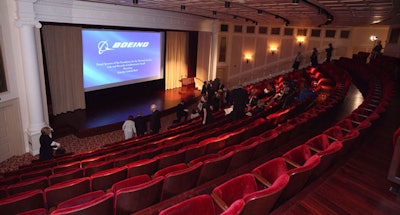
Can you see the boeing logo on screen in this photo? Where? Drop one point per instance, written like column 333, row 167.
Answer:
column 103, row 45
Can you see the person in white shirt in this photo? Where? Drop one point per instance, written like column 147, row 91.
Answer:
column 129, row 128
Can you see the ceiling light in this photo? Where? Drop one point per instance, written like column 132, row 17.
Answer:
column 135, row 2
column 227, row 4
column 295, row 1
column 259, row 11
column 183, row 7
column 214, row 13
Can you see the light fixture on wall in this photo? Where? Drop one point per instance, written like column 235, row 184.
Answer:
column 300, row 40
column 373, row 38
column 247, row 57
column 273, row 50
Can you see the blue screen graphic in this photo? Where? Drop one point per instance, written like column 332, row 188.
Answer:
column 114, row 58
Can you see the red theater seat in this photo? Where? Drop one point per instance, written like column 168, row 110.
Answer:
column 67, row 166
column 214, row 167
column 193, row 151
column 65, row 190
column 39, row 211
column 201, row 205
column 138, row 194
column 102, row 205
column 105, row 179
column 81, row 199
column 28, row 185
column 37, row 173
column 95, row 167
column 147, row 166
column 170, row 158
column 22, row 202
column 125, row 159
column 69, row 174
column 181, row 180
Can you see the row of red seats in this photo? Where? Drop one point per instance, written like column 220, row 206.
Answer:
column 312, row 157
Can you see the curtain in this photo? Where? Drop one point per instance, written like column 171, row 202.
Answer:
column 176, row 59
column 63, row 56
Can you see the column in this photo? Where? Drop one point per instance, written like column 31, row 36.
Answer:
column 27, row 24
column 214, row 51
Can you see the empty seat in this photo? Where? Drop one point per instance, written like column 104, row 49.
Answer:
column 95, row 167
column 102, row 205
column 125, row 159
column 170, row 158
column 92, row 160
column 146, row 166
column 22, row 202
column 65, row 190
column 268, row 141
column 242, row 155
column 169, row 169
column 28, row 185
column 69, row 174
column 39, row 211
column 214, row 167
column 37, row 173
column 137, row 193
column 67, row 166
column 81, row 199
column 105, row 179
column 181, row 180
column 201, row 205
column 193, row 151
column 213, row 144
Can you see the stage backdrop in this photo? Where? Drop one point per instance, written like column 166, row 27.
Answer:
column 63, row 62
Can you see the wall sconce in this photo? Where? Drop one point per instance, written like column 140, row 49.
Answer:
column 247, row 58
column 273, row 50
column 300, row 40
column 373, row 38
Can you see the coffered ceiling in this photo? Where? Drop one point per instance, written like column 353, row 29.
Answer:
column 280, row 12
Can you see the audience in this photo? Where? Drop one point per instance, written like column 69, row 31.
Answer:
column 129, row 128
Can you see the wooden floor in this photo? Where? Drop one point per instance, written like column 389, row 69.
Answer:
column 358, row 183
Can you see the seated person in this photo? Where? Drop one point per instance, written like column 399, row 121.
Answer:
column 47, row 144
column 194, row 114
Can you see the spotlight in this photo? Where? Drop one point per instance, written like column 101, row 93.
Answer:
column 135, row 2
column 259, row 11
column 227, row 4
column 295, row 1
column 183, row 7
column 214, row 13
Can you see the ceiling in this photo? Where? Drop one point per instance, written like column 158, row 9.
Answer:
column 306, row 13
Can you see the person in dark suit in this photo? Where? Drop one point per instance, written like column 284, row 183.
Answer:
column 140, row 124
column 240, row 100
column 155, row 121
column 181, row 112
column 329, row 53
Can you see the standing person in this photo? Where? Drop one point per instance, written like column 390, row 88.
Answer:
column 376, row 50
column 155, row 121
column 47, row 144
column 206, row 112
column 314, row 58
column 129, row 128
column 140, row 124
column 297, row 61
column 329, row 53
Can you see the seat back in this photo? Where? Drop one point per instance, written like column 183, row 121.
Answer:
column 37, row 173
column 198, row 205
column 214, row 167
column 95, row 167
column 65, row 190
column 81, row 199
column 236, row 188
column 193, row 151
column 105, row 179
column 272, row 169
column 125, row 159
column 28, row 185
column 180, row 181
column 67, row 166
column 66, row 175
column 261, row 202
column 137, row 197
column 147, row 166
column 170, row 158
column 169, row 169
column 22, row 202
column 129, row 182
column 102, row 205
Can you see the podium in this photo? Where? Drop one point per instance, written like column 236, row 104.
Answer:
column 187, row 84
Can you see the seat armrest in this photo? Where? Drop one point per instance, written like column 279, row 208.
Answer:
column 219, row 201
column 262, row 180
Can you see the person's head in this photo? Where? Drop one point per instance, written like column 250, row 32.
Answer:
column 139, row 113
column 330, row 44
column 130, row 117
column 153, row 107
column 379, row 42
column 46, row 130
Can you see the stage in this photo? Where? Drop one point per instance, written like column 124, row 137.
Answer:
column 103, row 116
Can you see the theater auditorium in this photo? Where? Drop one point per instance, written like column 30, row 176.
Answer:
column 264, row 107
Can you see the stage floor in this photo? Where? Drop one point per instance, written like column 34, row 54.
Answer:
column 105, row 117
